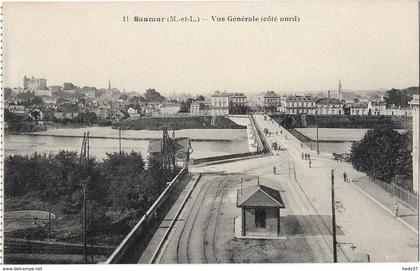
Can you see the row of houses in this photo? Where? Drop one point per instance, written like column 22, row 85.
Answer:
column 223, row 103
column 103, row 109
column 333, row 106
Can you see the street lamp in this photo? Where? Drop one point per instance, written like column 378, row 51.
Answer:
column 317, row 133
column 334, row 233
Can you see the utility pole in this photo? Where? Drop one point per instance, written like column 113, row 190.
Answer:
column 119, row 136
column 84, row 225
column 334, row 233
column 317, row 133
column 49, row 224
column 84, row 166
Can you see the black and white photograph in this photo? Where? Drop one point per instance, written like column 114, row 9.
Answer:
column 210, row 133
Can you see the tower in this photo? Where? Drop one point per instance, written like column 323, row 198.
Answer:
column 340, row 90
column 109, row 83
column 25, row 82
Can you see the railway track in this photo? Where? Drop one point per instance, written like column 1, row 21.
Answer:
column 184, row 240
column 208, row 253
column 209, row 240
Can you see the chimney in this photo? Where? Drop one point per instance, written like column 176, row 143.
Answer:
column 329, row 94
column 258, row 181
column 241, row 185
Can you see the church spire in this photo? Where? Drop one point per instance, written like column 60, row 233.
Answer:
column 340, row 90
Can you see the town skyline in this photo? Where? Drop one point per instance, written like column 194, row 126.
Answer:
column 210, row 92
column 206, row 57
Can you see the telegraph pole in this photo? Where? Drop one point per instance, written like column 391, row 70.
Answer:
column 119, row 136
column 333, row 218
column 49, row 224
column 317, row 133
column 84, row 164
column 84, row 225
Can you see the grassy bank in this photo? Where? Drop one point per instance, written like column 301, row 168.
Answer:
column 178, row 123
column 22, row 127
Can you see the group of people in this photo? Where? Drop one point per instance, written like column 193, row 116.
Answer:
column 306, row 156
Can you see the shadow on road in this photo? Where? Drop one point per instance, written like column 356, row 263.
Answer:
column 308, row 225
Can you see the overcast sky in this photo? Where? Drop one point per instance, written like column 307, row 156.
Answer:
column 367, row 44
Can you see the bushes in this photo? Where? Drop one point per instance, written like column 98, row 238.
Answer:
column 383, row 154
column 120, row 183
column 34, row 233
column 24, row 127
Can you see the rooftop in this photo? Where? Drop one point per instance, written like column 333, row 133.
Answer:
column 260, row 196
column 329, row 101
column 221, row 94
column 270, row 94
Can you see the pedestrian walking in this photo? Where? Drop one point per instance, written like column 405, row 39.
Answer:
column 345, row 177
column 309, row 156
column 310, row 163
column 396, row 208
column 274, row 170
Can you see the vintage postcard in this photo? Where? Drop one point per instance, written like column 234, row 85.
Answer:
column 210, row 132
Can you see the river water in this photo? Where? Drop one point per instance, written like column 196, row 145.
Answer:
column 346, row 136
column 234, row 141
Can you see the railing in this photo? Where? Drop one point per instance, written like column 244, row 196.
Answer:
column 22, row 246
column 141, row 226
column 407, row 197
column 260, row 145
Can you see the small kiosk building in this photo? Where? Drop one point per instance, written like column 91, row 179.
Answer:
column 260, row 206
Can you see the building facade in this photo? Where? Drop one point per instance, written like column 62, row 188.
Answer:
column 169, row 109
column 43, row 92
column 260, row 211
column 220, row 103
column 237, row 103
column 415, row 105
column 329, row 106
column 269, row 99
column 300, row 105
column 33, row 84
column 238, row 99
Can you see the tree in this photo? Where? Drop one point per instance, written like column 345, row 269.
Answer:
column 200, row 98
column 68, row 86
column 152, row 95
column 137, row 100
column 185, row 106
column 383, row 154
column 25, row 95
column 123, row 97
column 7, row 93
column 36, row 115
column 397, row 98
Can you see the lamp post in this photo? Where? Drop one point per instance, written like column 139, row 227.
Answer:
column 334, row 233
column 317, row 133
column 84, row 224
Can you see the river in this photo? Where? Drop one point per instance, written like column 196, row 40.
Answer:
column 231, row 141
column 334, row 135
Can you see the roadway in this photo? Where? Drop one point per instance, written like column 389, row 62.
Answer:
column 203, row 232
column 366, row 226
